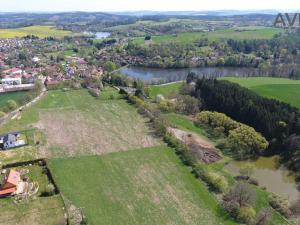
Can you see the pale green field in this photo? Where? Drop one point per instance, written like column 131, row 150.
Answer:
column 40, row 31
column 282, row 89
column 139, row 187
column 237, row 34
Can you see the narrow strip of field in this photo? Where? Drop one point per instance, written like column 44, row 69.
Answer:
column 165, row 89
column 147, row 186
column 40, row 31
column 237, row 34
column 285, row 90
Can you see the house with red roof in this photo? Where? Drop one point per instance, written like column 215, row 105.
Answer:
column 10, row 183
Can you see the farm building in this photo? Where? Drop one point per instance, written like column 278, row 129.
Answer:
column 10, row 183
column 11, row 140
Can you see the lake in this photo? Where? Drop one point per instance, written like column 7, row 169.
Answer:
column 269, row 173
column 153, row 75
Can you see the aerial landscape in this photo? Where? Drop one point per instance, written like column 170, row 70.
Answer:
column 129, row 113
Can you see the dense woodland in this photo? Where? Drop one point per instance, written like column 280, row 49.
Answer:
column 277, row 121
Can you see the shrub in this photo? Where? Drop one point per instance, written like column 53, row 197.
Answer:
column 246, row 215
column 181, row 149
column 11, row 104
column 94, row 92
column 160, row 125
column 295, row 208
column 263, row 217
column 166, row 106
column 214, row 180
column 280, row 205
column 2, row 114
column 49, row 191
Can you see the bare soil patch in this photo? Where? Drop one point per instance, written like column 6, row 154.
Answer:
column 201, row 148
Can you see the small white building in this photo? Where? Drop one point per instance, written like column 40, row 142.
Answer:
column 11, row 81
column 35, row 59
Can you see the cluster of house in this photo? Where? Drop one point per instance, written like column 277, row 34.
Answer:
column 11, row 43
column 74, row 67
column 11, row 140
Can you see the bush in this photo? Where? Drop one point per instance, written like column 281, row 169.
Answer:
column 182, row 150
column 295, row 208
column 214, row 180
column 166, row 106
column 49, row 191
column 2, row 114
column 160, row 125
column 280, row 205
column 11, row 104
column 94, row 92
column 246, row 215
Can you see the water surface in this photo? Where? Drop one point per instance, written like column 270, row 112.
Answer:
column 168, row 75
column 269, row 173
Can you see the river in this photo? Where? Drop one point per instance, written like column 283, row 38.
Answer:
column 153, row 75
column 269, row 173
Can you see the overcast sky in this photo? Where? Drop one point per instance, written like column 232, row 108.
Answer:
column 132, row 5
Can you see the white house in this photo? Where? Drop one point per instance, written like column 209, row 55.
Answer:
column 11, row 81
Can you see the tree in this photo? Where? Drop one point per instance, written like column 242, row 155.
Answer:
column 242, row 195
column 188, row 104
column 246, row 142
column 263, row 217
column 109, row 66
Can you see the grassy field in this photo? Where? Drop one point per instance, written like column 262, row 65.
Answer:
column 285, row 90
column 40, row 210
column 147, row 186
column 237, row 34
column 40, row 31
column 75, row 123
column 165, row 90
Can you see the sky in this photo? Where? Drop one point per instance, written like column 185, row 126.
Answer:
column 136, row 5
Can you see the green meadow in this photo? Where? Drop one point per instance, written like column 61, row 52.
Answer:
column 145, row 186
column 237, row 34
column 40, row 31
column 282, row 89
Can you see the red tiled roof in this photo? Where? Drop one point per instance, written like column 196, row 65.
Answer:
column 8, row 191
column 14, row 177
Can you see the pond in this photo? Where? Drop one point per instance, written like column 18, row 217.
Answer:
column 269, row 173
column 154, row 75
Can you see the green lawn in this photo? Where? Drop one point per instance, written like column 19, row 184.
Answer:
column 166, row 89
column 237, row 34
column 282, row 89
column 146, row 186
column 13, row 96
column 40, row 31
